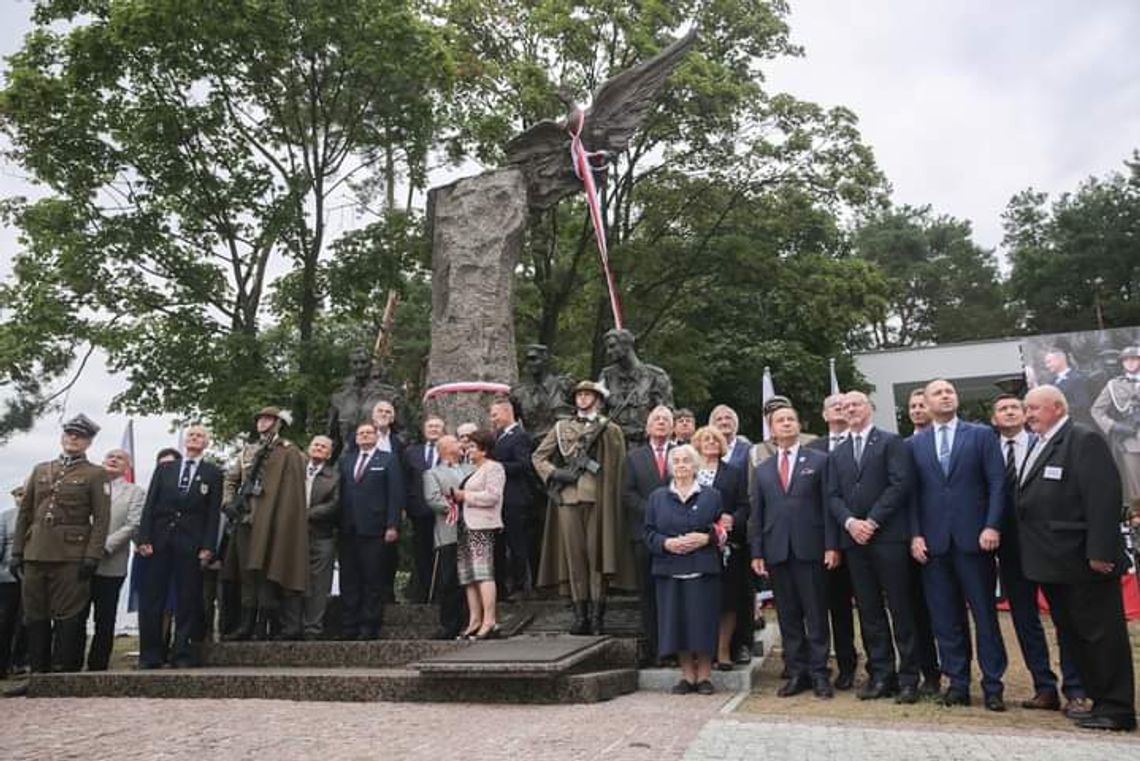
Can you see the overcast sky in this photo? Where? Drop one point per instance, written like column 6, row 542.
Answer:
column 964, row 102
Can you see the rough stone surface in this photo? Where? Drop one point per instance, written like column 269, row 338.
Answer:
column 477, row 232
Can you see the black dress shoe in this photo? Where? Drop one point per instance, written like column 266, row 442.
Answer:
column 723, row 666
column 1111, row 723
column 794, row 686
column 705, row 687
column 845, row 680
column 994, row 703
column 908, row 695
column 821, row 687
column 683, row 688
column 876, row 690
column 954, row 697
column 742, row 655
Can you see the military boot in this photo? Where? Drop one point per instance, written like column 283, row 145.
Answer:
column 581, row 624
column 70, row 639
column 598, row 619
column 39, row 646
column 261, row 626
column 244, row 629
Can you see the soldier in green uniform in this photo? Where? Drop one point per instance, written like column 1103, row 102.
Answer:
column 269, row 549
column 60, row 533
column 585, row 547
column 1117, row 413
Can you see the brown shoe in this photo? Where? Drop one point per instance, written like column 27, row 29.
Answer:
column 1044, row 700
column 1077, row 708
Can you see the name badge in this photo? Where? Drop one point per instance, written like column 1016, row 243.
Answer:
column 1053, row 472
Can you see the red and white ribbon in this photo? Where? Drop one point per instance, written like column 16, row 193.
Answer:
column 583, row 169
column 467, row 387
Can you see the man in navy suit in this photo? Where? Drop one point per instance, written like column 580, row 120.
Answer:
column 724, row 419
column 372, row 493
column 869, row 484
column 418, row 459
column 1021, row 593
column 179, row 533
column 512, row 450
column 1072, row 383
column 839, row 589
column 646, row 470
column 956, row 530
column 793, row 543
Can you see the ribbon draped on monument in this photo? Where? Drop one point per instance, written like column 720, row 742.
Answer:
column 584, row 171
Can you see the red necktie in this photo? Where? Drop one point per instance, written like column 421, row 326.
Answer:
column 785, row 469
column 360, row 466
column 660, row 456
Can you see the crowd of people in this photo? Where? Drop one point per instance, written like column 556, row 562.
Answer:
column 917, row 532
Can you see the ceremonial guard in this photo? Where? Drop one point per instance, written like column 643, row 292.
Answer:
column 265, row 500
column 584, row 546
column 1117, row 413
column 60, row 534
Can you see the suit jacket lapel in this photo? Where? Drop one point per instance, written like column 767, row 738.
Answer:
column 1039, row 461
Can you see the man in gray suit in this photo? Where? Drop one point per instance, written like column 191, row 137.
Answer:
column 127, row 500
column 322, row 498
column 439, row 482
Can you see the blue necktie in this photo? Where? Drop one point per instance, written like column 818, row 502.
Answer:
column 944, row 448
column 184, row 480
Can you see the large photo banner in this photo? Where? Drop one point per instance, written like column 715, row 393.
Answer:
column 1099, row 373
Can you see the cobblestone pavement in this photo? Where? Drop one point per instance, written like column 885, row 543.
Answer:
column 728, row 739
column 644, row 725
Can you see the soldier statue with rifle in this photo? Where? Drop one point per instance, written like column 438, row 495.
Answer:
column 585, row 548
column 636, row 387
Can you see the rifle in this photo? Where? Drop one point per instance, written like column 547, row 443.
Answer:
column 238, row 507
column 580, row 461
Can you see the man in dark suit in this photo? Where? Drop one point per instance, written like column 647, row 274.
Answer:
column 793, row 544
column 418, row 459
column 724, row 419
column 919, row 416
column 869, row 479
column 512, row 450
column 1068, row 510
column 179, row 533
column 322, row 499
column 1009, row 419
column 839, row 589
column 391, row 441
column 646, row 469
column 371, row 494
column 1072, row 383
column 960, row 479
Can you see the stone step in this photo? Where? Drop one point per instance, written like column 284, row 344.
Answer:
column 383, row 653
column 537, row 657
column 333, row 684
column 743, row 678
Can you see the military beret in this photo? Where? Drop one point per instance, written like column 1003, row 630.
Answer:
column 81, row 425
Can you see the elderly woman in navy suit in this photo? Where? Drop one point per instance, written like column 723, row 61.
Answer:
column 680, row 532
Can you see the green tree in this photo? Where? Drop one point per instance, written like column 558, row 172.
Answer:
column 190, row 156
column 1076, row 261
column 943, row 286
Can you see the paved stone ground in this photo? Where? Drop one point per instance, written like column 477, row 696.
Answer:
column 728, row 739
column 647, row 726
column 644, row 726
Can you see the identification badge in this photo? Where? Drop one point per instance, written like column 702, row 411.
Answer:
column 1053, row 472
column 107, row 489
column 205, row 489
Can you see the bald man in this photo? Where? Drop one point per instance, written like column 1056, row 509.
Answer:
column 1068, row 518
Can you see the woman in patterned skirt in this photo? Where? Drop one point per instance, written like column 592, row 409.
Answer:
column 481, row 497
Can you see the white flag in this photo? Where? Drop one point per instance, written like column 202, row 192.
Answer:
column 767, row 392
column 834, row 380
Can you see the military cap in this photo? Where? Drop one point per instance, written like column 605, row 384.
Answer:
column 82, row 426
column 776, row 403
column 598, row 388
column 270, row 411
column 1130, row 352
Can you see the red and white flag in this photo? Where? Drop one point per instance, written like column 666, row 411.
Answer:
column 128, row 446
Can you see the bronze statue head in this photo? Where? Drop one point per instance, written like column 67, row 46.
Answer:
column 620, row 345
column 537, row 359
column 360, row 360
